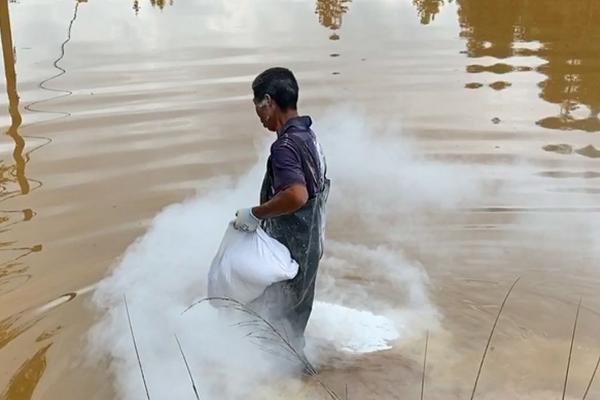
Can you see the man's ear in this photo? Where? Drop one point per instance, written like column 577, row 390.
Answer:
column 268, row 99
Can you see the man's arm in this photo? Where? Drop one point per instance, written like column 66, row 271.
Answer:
column 289, row 184
column 287, row 201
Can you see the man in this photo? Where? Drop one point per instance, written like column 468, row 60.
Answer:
column 292, row 201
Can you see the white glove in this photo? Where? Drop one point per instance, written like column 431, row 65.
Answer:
column 245, row 221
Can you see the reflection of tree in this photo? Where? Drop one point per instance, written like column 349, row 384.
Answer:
column 489, row 27
column 428, row 9
column 330, row 13
column 14, row 172
column 160, row 3
column 25, row 380
column 569, row 41
column 13, row 270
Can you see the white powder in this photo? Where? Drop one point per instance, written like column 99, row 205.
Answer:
column 351, row 330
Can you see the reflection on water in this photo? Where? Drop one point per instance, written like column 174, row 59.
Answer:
column 61, row 71
column 12, row 271
column 14, row 325
column 428, row 9
column 14, row 182
column 154, row 3
column 330, row 14
column 15, row 172
column 24, row 381
column 160, row 3
column 11, row 327
column 565, row 35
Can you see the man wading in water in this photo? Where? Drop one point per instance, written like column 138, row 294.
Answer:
column 292, row 202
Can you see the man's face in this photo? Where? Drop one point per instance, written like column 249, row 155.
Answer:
column 265, row 109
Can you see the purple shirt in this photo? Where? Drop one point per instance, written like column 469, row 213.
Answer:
column 295, row 141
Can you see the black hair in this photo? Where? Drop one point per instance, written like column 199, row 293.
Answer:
column 280, row 84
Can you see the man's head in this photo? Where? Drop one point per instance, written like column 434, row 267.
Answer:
column 275, row 95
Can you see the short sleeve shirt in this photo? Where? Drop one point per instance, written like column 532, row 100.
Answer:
column 288, row 166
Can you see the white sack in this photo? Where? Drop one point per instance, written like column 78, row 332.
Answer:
column 247, row 263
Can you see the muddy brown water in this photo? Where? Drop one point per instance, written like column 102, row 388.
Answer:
column 116, row 109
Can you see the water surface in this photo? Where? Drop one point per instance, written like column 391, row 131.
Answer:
column 116, row 109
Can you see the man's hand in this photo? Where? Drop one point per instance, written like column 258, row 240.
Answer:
column 245, row 220
column 285, row 202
